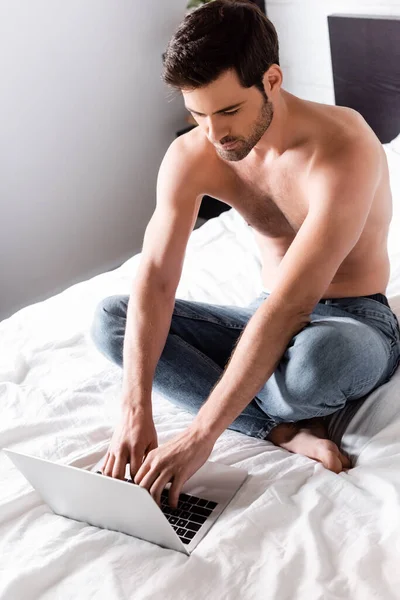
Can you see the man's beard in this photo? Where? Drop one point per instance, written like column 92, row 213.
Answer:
column 259, row 128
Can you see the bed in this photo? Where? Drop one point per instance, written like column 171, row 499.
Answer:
column 294, row 530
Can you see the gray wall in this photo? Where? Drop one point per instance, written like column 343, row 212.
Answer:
column 84, row 123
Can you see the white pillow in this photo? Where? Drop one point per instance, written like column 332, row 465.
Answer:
column 393, row 158
column 395, row 144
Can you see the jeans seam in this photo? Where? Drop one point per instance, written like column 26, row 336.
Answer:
column 260, row 432
column 360, row 385
column 208, row 360
column 372, row 314
column 368, row 319
column 393, row 370
column 113, row 314
column 213, row 320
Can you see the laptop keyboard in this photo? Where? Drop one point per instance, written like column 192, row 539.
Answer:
column 189, row 515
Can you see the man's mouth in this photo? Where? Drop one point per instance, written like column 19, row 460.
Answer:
column 229, row 146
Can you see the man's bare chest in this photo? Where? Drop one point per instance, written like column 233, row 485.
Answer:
column 273, row 204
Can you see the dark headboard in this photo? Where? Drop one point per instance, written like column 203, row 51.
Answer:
column 260, row 4
column 365, row 52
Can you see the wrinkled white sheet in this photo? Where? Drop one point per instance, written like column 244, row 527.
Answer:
column 294, row 530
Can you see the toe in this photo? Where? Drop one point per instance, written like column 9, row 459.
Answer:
column 345, row 461
column 329, row 454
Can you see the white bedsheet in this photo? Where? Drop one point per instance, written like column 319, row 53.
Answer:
column 294, row 530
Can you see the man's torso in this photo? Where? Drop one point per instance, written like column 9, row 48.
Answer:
column 272, row 198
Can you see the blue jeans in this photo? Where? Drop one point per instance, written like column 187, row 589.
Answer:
column 350, row 347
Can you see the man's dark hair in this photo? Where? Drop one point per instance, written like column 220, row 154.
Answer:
column 221, row 35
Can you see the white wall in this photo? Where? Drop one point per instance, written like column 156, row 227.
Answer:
column 84, row 123
column 302, row 27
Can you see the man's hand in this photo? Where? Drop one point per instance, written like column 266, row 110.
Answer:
column 176, row 461
column 134, row 436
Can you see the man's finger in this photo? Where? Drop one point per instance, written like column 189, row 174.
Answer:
column 119, row 468
column 143, row 469
column 175, row 490
column 135, row 462
column 149, row 475
column 108, row 468
column 105, row 460
column 158, row 486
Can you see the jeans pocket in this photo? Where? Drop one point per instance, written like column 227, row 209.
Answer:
column 385, row 324
column 393, row 365
column 374, row 313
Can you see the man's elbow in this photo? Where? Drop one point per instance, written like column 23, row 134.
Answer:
column 301, row 322
column 296, row 316
column 291, row 322
column 296, row 319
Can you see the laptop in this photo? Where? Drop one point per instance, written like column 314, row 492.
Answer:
column 85, row 494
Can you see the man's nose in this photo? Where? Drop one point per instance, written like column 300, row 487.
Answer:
column 216, row 131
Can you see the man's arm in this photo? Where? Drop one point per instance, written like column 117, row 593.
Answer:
column 152, row 299
column 341, row 195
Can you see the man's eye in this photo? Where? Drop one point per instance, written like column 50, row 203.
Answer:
column 233, row 112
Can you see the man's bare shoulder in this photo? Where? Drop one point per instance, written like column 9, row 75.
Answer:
column 354, row 132
column 197, row 158
column 353, row 156
column 196, row 144
column 346, row 134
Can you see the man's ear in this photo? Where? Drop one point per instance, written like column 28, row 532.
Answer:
column 272, row 79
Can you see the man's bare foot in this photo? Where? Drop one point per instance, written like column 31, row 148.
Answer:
column 310, row 438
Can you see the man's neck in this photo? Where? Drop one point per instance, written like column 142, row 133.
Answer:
column 287, row 129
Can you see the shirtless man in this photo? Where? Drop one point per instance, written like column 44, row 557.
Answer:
column 310, row 179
